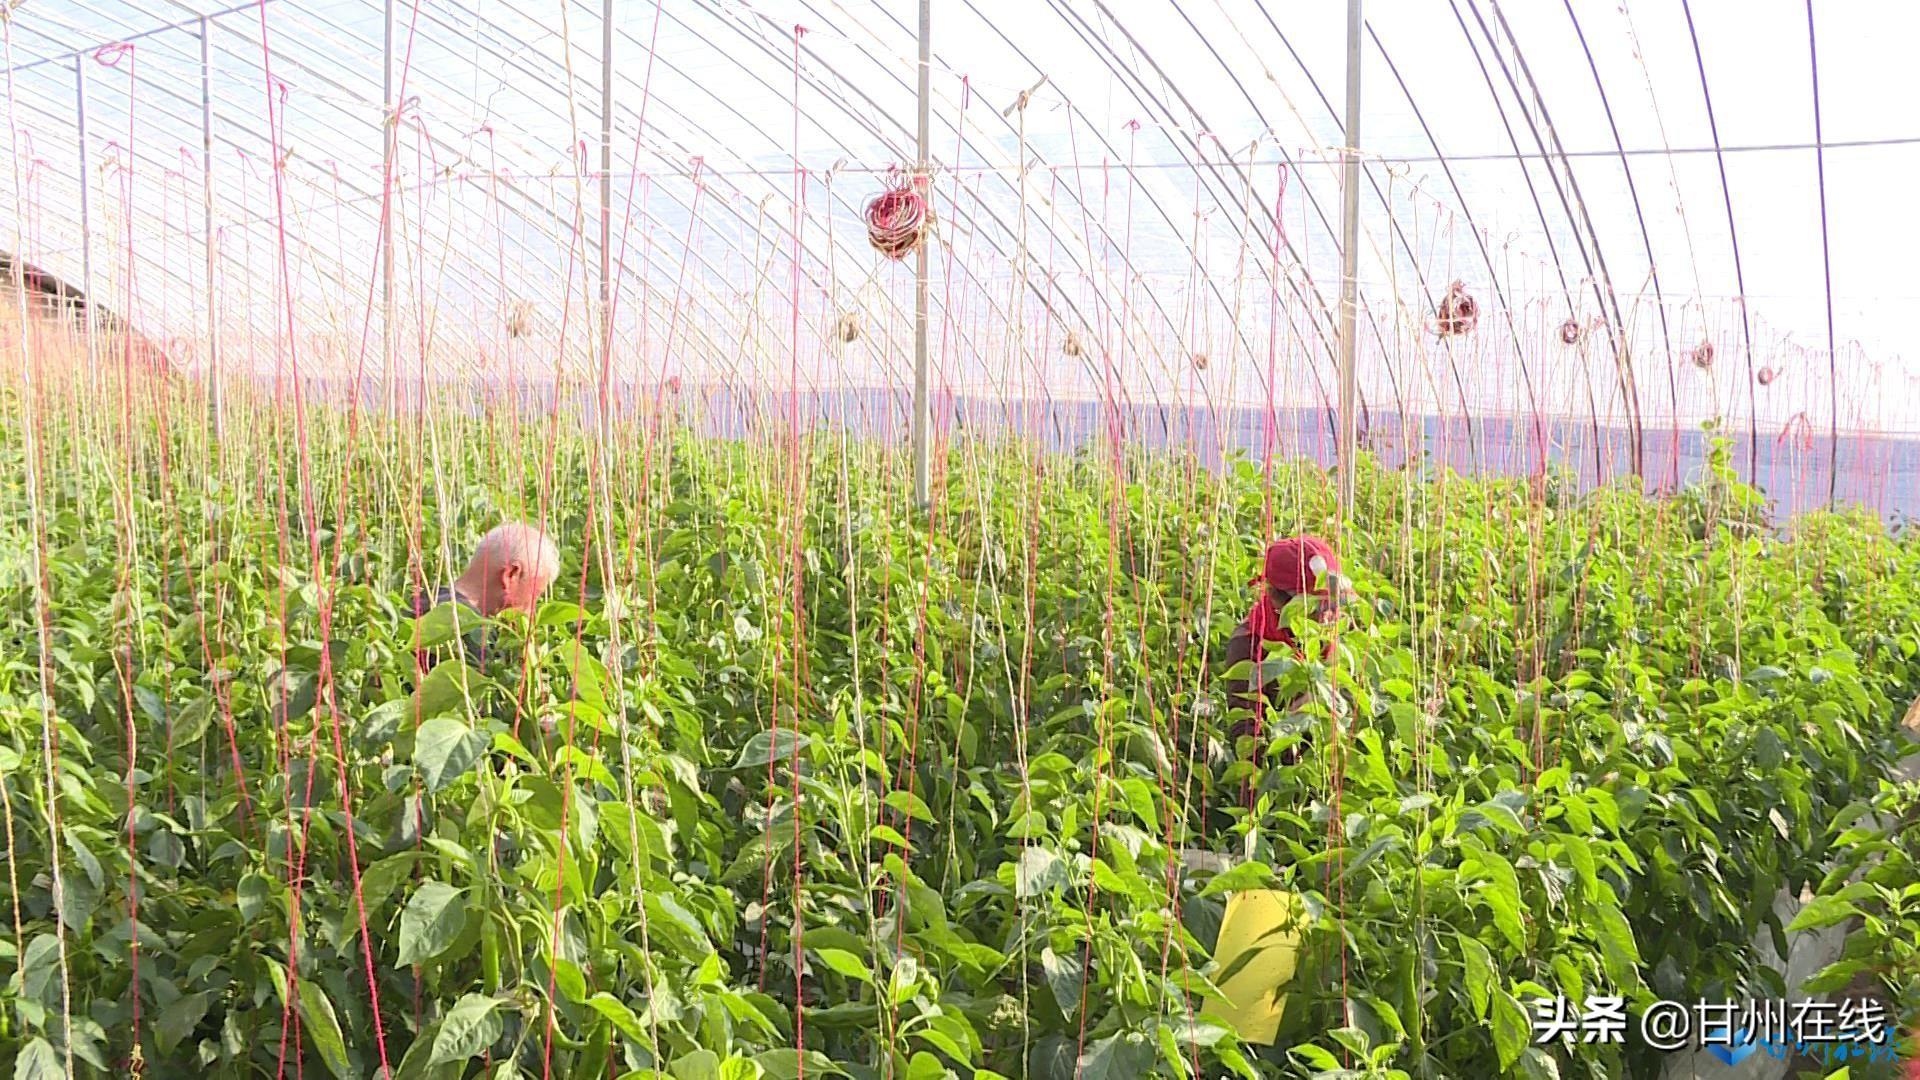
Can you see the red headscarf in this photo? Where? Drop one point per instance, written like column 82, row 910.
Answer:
column 1297, row 565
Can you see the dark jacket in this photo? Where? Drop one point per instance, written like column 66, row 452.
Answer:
column 1242, row 693
column 470, row 645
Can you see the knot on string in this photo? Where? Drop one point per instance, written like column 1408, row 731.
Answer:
column 1765, row 376
column 1701, row 355
column 1459, row 312
column 405, row 105
column 110, row 160
column 897, row 218
column 111, row 55
column 847, row 328
column 1280, row 206
column 1199, row 361
column 1798, row 422
column 800, row 31
column 1570, row 332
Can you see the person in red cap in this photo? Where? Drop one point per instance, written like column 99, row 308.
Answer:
column 1296, row 566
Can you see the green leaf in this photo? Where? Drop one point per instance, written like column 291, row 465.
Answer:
column 785, row 1064
column 1065, row 977
column 1315, row 1057
column 698, row 1065
column 770, row 746
column 925, row 1066
column 444, row 749
column 617, row 1011
column 1199, row 1032
column 1502, row 896
column 569, row 980
column 37, row 1061
column 436, row 627
column 846, row 964
column 1619, row 954
column 1822, row 912
column 1834, row 977
column 909, row 804
column 1122, row 1056
column 40, row 970
column 470, row 1028
column 1039, row 871
column 1500, row 814
column 1479, row 968
column 1537, row 1064
column 178, row 1020
column 887, row 834
column 447, row 687
column 585, row 765
column 251, row 895
column 323, row 1027
column 1580, row 856
column 590, row 678
column 189, row 724
column 378, row 881
column 1240, row 878
column 559, row 613
column 1511, row 1030
column 84, row 857
column 433, row 917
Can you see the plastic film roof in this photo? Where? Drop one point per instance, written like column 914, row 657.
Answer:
column 1158, row 182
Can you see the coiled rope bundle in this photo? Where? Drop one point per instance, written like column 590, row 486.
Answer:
column 897, row 218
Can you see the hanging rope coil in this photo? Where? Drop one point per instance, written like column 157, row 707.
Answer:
column 897, row 218
column 1701, row 355
column 1459, row 312
column 519, row 319
column 1570, row 332
column 1765, row 376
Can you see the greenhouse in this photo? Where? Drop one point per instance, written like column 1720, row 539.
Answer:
column 904, row 539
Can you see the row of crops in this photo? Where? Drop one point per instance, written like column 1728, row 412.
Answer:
column 786, row 778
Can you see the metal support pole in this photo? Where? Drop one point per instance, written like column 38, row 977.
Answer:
column 215, row 413
column 922, row 406
column 1349, row 259
column 390, row 151
column 606, row 189
column 86, row 195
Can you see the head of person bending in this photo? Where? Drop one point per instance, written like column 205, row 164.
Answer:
column 1301, row 566
column 512, row 566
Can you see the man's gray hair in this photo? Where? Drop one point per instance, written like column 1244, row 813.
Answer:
column 518, row 541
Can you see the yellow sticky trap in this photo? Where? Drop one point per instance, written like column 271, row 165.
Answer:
column 1266, row 922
